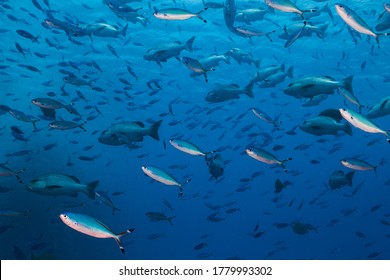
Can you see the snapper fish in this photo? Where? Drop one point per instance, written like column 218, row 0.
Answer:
column 266, row 157
column 188, row 147
column 163, row 177
column 362, row 122
column 177, row 14
column 125, row 133
column 338, row 179
column 308, row 87
column 59, row 184
column 168, row 50
column 351, row 18
column 92, row 227
column 326, row 123
column 227, row 92
column 380, row 109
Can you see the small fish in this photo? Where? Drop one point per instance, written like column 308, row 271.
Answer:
column 188, row 147
column 177, row 14
column 28, row 35
column 266, row 157
column 65, row 125
column 363, row 123
column 14, row 213
column 92, row 227
column 357, row 164
column 5, row 171
column 163, row 177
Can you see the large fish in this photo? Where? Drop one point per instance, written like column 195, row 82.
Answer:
column 326, row 123
column 308, row 87
column 126, row 133
column 227, row 92
column 168, row 50
column 380, row 109
column 92, row 227
column 60, row 184
column 338, row 179
column 362, row 122
column 356, row 22
column 104, row 30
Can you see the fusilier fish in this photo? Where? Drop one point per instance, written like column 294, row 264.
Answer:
column 92, row 227
column 196, row 66
column 59, row 184
column 286, row 6
column 362, row 122
column 188, row 147
column 356, row 22
column 380, row 109
column 5, row 171
column 266, row 157
column 358, row 164
column 177, row 14
column 163, row 177
column 65, row 125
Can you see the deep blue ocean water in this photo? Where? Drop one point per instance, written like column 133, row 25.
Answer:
column 238, row 215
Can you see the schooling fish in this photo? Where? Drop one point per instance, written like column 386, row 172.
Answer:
column 358, row 164
column 163, row 177
column 356, row 22
column 5, row 171
column 92, row 227
column 266, row 157
column 362, row 122
column 286, row 6
column 28, row 35
column 65, row 125
column 188, row 147
column 177, row 14
column 60, row 184
column 196, row 66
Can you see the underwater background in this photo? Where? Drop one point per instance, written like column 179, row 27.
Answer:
column 235, row 215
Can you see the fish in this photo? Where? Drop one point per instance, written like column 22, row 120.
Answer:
column 23, row 117
column 103, row 198
column 301, row 228
column 54, row 184
column 228, row 92
column 14, row 213
column 350, row 96
column 250, row 15
column 362, row 122
column 5, row 171
column 357, row 164
column 105, row 30
column 168, row 50
column 195, row 66
column 266, row 157
column 351, row 18
column 92, row 227
column 338, row 179
column 286, row 6
column 308, row 87
column 28, row 35
column 326, row 123
column 188, row 147
column 158, row 216
column 215, row 165
column 265, row 117
column 177, row 14
column 125, row 133
column 65, row 125
column 380, row 109
column 163, row 177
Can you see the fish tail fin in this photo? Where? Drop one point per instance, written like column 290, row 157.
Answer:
column 282, row 163
column 124, row 30
column 189, row 44
column 82, row 126
column 18, row 173
column 257, row 63
column 347, row 129
column 321, row 33
column 348, row 83
column 200, row 17
column 118, row 239
column 349, row 177
column 290, row 71
column 90, row 189
column 154, row 130
column 170, row 220
column 249, row 90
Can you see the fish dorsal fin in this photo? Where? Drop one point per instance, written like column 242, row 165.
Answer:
column 332, row 113
column 74, row 178
column 141, row 124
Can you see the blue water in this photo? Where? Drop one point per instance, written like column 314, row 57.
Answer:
column 253, row 222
